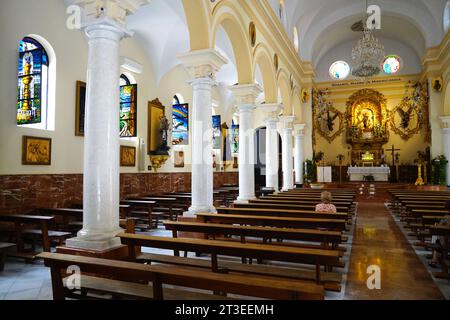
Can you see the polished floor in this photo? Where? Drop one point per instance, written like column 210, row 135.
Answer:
column 378, row 241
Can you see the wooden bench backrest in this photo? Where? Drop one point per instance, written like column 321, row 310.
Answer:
column 159, row 275
column 264, row 232
column 282, row 213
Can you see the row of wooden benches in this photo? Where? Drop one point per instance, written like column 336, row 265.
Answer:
column 421, row 211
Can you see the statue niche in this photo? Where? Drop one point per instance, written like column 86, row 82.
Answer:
column 367, row 126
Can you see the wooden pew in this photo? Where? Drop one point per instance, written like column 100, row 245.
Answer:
column 280, row 222
column 158, row 276
column 316, row 257
column 262, row 211
column 323, row 237
column 440, row 230
column 143, row 204
column 167, row 206
column 4, row 247
column 288, row 206
column 20, row 221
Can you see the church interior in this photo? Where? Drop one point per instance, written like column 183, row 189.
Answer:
column 225, row 150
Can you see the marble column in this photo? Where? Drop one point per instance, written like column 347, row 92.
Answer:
column 272, row 144
column 287, row 150
column 202, row 65
column 446, row 143
column 299, row 133
column 246, row 96
column 101, row 140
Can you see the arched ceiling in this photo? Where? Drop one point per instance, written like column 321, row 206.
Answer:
column 323, row 24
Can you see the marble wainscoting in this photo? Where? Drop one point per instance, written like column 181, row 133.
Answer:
column 20, row 193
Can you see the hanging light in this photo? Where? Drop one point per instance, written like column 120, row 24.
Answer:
column 367, row 54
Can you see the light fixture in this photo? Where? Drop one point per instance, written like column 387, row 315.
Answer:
column 367, row 54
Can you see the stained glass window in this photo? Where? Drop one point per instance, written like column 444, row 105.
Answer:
column 234, row 137
column 180, row 122
column 216, row 125
column 32, row 82
column 391, row 64
column 339, row 70
column 128, row 108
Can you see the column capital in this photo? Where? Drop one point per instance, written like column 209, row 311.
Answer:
column 246, row 93
column 271, row 108
column 299, row 129
column 287, row 120
column 445, row 122
column 116, row 10
column 106, row 28
column 202, row 63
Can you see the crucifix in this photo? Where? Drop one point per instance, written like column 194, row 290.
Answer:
column 394, row 176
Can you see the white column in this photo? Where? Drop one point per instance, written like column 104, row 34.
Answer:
column 101, row 141
column 287, row 156
column 246, row 96
column 299, row 153
column 446, row 143
column 202, row 66
column 272, row 145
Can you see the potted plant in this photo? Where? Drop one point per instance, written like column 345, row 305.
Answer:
column 439, row 170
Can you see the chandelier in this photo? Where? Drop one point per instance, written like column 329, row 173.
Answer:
column 367, row 55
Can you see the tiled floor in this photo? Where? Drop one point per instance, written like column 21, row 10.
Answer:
column 379, row 241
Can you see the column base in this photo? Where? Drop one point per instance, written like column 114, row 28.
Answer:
column 243, row 200
column 97, row 245
column 199, row 209
column 95, row 240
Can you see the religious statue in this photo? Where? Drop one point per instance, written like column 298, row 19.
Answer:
column 405, row 117
column 164, row 127
column 365, row 121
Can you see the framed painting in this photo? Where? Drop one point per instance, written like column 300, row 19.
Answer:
column 36, row 151
column 156, row 110
column 127, row 156
column 179, row 159
column 80, row 108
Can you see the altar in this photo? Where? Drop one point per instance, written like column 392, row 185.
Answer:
column 379, row 173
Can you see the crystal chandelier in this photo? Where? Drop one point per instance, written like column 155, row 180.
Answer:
column 367, row 55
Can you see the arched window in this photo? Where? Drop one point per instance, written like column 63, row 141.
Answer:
column 282, row 13
column 296, row 39
column 392, row 64
column 339, row 70
column 447, row 17
column 33, row 85
column 128, row 107
column 180, row 121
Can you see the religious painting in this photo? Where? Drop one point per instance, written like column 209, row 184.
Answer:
column 180, row 124
column 80, row 110
column 179, row 159
column 407, row 119
column 128, row 110
column 36, row 151
column 156, row 112
column 217, row 134
column 127, row 156
column 329, row 122
column 32, row 81
column 437, row 84
column 234, row 138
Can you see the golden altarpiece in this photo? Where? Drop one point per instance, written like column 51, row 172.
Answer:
column 367, row 127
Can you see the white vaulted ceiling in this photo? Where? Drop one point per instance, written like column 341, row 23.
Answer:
column 324, row 25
